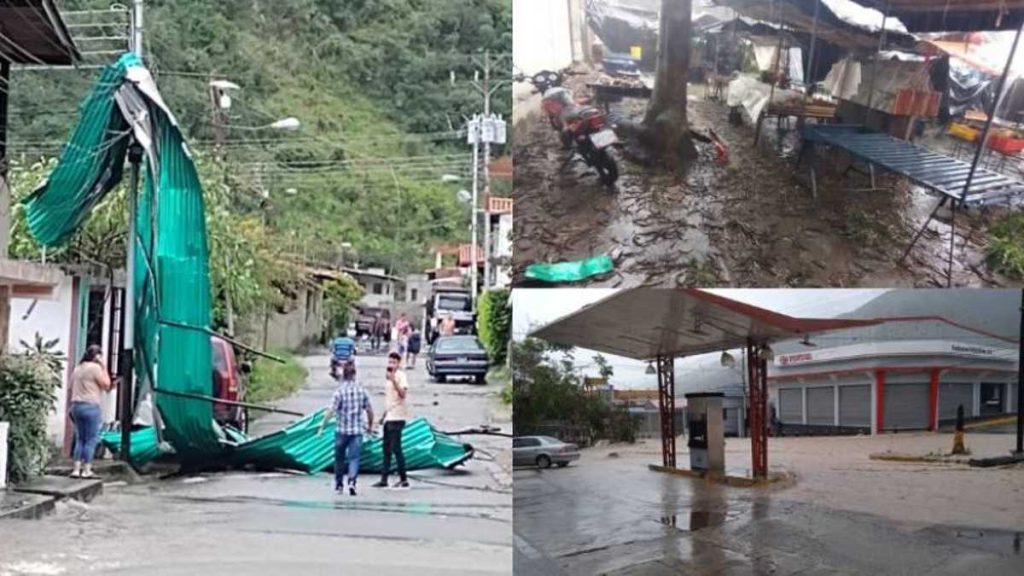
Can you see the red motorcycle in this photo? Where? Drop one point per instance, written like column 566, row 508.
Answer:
column 583, row 129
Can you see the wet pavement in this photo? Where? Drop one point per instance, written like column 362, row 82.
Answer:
column 752, row 223
column 605, row 516
column 274, row 523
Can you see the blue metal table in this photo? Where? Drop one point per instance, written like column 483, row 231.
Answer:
column 937, row 172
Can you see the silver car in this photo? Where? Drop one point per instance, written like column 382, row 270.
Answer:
column 543, row 451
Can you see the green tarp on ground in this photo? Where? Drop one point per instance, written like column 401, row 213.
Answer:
column 299, row 447
column 575, row 271
column 172, row 279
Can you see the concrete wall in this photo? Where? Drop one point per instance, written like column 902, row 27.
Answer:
column 302, row 325
column 51, row 319
column 541, row 35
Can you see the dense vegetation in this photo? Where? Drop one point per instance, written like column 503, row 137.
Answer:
column 548, row 396
column 370, row 81
column 28, row 385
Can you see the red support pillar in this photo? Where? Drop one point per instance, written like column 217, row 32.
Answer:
column 879, row 401
column 933, row 401
column 667, row 409
column 757, row 379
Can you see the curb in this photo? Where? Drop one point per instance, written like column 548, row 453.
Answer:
column 35, row 506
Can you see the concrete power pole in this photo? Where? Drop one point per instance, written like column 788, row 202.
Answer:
column 487, row 89
column 126, row 390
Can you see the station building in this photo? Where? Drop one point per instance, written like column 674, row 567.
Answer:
column 910, row 372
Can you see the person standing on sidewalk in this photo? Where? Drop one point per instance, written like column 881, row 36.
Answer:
column 415, row 339
column 402, row 331
column 380, row 328
column 349, row 402
column 89, row 380
column 395, row 394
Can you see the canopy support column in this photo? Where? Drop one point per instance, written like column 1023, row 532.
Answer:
column 874, row 65
column 667, row 409
column 757, row 378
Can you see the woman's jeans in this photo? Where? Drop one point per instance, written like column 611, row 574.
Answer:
column 87, row 419
column 346, row 458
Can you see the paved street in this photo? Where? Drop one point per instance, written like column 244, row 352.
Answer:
column 274, row 523
column 611, row 515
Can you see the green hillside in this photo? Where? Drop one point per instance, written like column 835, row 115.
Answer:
column 370, row 81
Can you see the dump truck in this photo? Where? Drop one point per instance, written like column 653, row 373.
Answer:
column 445, row 300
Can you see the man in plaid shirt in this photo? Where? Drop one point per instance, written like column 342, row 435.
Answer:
column 349, row 402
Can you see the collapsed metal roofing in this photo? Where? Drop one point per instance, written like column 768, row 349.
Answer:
column 644, row 323
column 33, row 32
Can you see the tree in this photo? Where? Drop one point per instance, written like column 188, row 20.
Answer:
column 666, row 130
column 603, row 367
column 339, row 297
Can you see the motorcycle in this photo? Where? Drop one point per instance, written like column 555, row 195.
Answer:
column 583, row 129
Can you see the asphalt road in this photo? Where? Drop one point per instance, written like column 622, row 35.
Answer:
column 603, row 516
column 275, row 523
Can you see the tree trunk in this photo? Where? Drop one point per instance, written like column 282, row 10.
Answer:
column 666, row 131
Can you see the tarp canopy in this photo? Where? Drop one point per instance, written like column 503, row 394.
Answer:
column 953, row 15
column 33, row 32
column 644, row 323
column 799, row 15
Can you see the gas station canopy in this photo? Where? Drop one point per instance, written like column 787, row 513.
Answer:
column 645, row 323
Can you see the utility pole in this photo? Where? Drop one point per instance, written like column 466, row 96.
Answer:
column 474, row 134
column 128, row 359
column 487, row 89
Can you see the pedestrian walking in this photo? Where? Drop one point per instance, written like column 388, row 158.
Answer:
column 402, row 330
column 348, row 404
column 88, row 382
column 415, row 340
column 377, row 332
column 395, row 416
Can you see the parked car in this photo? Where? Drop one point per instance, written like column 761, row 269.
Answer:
column 460, row 355
column 543, row 451
column 230, row 381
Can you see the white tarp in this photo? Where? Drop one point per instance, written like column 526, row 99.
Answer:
column 765, row 49
column 843, row 80
column 752, row 94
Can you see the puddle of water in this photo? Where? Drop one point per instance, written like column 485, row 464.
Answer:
column 696, row 520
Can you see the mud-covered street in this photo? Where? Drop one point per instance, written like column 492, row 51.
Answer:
column 449, row 522
column 751, row 223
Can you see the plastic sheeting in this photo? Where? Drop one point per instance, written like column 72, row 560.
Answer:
column 570, row 271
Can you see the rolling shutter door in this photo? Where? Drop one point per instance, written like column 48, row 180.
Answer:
column 855, row 406
column 791, row 405
column 906, row 406
column 821, row 408
column 952, row 395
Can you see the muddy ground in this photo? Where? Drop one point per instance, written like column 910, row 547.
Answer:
column 751, row 223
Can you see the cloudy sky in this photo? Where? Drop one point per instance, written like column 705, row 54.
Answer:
column 533, row 308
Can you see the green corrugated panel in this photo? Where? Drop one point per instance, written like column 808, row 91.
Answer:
column 172, row 282
column 298, row 447
column 145, row 445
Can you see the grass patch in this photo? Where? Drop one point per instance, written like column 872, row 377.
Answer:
column 272, row 381
column 1005, row 252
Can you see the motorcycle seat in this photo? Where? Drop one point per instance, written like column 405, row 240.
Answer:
column 579, row 112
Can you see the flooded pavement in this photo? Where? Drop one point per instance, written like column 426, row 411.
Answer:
column 608, row 516
column 752, row 223
column 275, row 523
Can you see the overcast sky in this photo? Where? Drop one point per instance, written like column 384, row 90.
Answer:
column 535, row 307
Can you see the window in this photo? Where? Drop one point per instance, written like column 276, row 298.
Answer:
column 992, row 398
column 457, row 344
column 525, row 442
column 378, row 288
column 414, row 295
column 454, row 302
